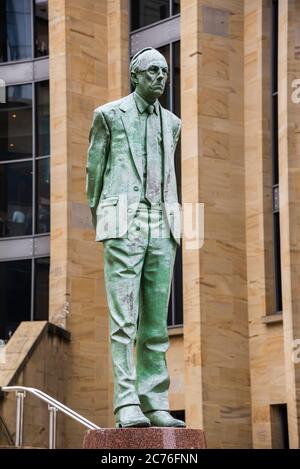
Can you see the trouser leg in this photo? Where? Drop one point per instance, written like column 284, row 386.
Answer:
column 123, row 261
column 152, row 337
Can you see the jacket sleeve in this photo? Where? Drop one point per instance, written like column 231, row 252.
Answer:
column 176, row 132
column 99, row 141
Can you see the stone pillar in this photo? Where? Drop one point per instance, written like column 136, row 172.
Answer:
column 118, row 86
column 190, row 149
column 265, row 327
column 78, row 84
column 289, row 183
column 118, row 48
column 217, row 388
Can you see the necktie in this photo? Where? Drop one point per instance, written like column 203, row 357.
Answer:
column 153, row 157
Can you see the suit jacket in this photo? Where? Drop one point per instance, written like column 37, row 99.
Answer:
column 114, row 168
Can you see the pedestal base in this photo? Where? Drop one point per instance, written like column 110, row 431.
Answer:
column 144, row 438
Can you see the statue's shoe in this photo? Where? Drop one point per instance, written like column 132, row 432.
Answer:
column 162, row 418
column 131, row 416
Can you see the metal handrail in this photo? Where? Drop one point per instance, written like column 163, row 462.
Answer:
column 53, row 407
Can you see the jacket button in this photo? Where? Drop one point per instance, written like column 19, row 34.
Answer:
column 138, row 228
column 129, row 210
column 135, row 188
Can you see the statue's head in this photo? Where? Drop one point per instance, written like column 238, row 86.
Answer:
column 149, row 73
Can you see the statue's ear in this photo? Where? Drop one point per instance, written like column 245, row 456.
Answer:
column 134, row 79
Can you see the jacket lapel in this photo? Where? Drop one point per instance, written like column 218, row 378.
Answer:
column 130, row 119
column 131, row 123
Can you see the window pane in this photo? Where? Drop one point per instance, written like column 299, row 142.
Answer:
column 145, row 12
column 175, row 7
column 41, row 292
column 43, row 195
column 15, row 30
column 42, row 118
column 15, row 293
column 41, row 28
column 16, row 123
column 16, row 199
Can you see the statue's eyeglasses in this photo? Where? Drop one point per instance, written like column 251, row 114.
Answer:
column 155, row 70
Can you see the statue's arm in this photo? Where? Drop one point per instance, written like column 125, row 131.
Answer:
column 99, row 140
column 177, row 129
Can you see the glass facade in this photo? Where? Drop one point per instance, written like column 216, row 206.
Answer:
column 23, row 29
column 146, row 12
column 43, row 195
column 15, row 295
column 16, row 199
column 17, row 281
column 15, row 30
column 42, row 118
column 24, row 200
column 41, row 289
column 24, row 164
column 25, row 185
column 16, row 123
column 41, row 39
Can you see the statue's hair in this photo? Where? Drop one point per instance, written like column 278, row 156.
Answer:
column 134, row 63
column 137, row 59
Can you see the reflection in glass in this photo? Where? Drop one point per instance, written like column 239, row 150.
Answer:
column 15, row 292
column 41, row 28
column 43, row 195
column 15, row 30
column 42, row 118
column 16, row 199
column 16, row 123
column 145, row 12
column 41, row 289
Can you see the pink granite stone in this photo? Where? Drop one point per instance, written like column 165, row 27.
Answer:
column 144, row 438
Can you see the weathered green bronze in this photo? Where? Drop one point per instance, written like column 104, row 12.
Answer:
column 132, row 193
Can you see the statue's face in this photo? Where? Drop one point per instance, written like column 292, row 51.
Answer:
column 151, row 79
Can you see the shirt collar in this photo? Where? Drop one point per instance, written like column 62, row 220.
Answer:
column 142, row 104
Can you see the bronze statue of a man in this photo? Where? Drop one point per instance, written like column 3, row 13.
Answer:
column 132, row 193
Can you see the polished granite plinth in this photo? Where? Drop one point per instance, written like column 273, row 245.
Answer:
column 144, row 438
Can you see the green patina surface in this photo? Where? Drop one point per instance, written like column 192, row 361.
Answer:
column 132, row 194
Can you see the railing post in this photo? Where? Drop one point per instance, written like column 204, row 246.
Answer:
column 52, row 426
column 19, row 417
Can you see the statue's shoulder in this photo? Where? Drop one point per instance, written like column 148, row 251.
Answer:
column 174, row 119
column 108, row 107
column 111, row 107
